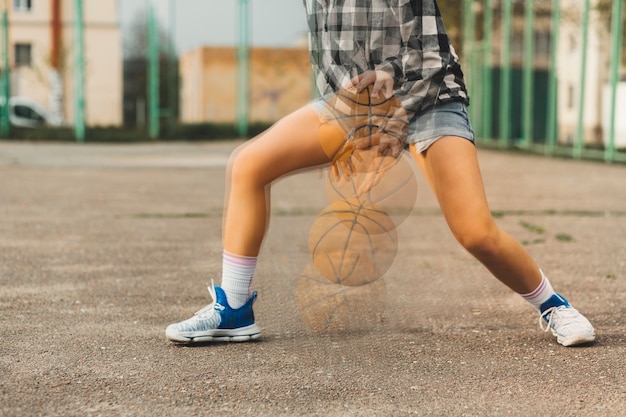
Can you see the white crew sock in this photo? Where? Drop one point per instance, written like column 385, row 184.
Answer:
column 541, row 294
column 237, row 274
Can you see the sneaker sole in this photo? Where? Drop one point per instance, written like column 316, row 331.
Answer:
column 576, row 340
column 244, row 334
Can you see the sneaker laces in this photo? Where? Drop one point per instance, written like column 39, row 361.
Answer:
column 554, row 314
column 208, row 310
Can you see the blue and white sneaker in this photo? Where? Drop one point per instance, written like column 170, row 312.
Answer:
column 217, row 322
column 569, row 326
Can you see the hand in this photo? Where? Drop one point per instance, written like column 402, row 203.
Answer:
column 360, row 170
column 386, row 143
column 343, row 164
column 379, row 79
column 380, row 124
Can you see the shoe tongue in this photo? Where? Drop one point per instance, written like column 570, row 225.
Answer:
column 556, row 300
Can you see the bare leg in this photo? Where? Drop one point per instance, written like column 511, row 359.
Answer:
column 451, row 168
column 292, row 144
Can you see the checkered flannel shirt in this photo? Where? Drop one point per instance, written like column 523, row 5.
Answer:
column 405, row 38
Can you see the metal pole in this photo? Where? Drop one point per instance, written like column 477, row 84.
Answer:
column 153, row 75
column 528, row 81
column 487, row 70
column 173, row 73
column 578, row 144
column 551, row 132
column 243, row 70
column 79, row 73
column 505, row 81
column 616, row 41
column 5, row 122
column 469, row 52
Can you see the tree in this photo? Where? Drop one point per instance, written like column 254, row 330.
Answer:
column 451, row 11
column 136, row 71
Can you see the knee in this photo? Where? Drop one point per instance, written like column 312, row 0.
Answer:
column 243, row 166
column 481, row 241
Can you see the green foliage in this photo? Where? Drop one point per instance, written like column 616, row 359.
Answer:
column 182, row 132
column 531, row 227
column 451, row 11
column 564, row 237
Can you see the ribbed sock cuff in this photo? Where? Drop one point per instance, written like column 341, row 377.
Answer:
column 541, row 294
column 237, row 274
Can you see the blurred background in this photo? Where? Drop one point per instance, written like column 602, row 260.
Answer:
column 545, row 76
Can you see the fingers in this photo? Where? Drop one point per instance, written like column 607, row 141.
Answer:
column 365, row 169
column 391, row 144
column 386, row 144
column 334, row 170
column 362, row 81
column 364, row 142
column 343, row 169
column 343, row 166
column 381, row 84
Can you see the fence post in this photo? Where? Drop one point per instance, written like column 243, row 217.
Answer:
column 5, row 122
column 616, row 31
column 469, row 53
column 243, row 70
column 153, row 76
column 528, row 80
column 172, row 71
column 551, row 130
column 79, row 72
column 578, row 144
column 487, row 70
column 505, row 76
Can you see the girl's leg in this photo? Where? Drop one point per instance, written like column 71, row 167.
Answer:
column 293, row 143
column 451, row 167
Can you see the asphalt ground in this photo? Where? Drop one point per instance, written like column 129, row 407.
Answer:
column 103, row 246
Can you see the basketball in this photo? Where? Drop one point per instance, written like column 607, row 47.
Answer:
column 327, row 308
column 352, row 242
column 349, row 117
column 390, row 184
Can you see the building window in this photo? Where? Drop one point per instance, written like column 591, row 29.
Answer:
column 22, row 5
column 542, row 46
column 517, row 48
column 23, row 55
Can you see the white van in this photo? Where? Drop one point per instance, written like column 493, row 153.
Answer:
column 25, row 112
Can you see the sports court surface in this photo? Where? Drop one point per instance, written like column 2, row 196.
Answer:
column 102, row 246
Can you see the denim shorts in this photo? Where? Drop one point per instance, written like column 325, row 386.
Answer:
column 450, row 119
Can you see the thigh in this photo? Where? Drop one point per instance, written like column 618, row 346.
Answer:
column 451, row 168
column 292, row 144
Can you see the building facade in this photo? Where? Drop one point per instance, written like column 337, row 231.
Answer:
column 280, row 82
column 570, row 70
column 569, row 66
column 42, row 52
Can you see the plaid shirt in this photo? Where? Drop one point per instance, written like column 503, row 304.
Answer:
column 404, row 38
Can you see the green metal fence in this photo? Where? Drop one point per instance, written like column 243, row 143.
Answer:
column 546, row 76
column 520, row 100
